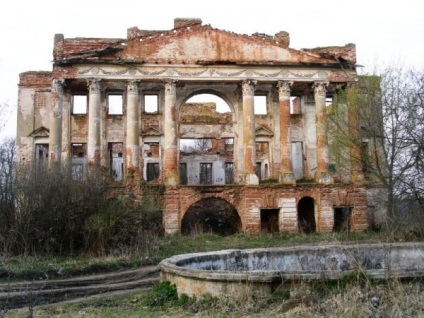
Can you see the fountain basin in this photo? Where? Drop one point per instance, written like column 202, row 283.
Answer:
column 262, row 271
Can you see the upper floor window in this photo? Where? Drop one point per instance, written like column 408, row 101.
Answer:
column 115, row 104
column 260, row 105
column 151, row 104
column 79, row 104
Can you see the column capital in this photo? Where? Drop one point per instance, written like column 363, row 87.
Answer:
column 320, row 88
column 58, row 85
column 133, row 87
column 284, row 88
column 170, row 87
column 93, row 85
column 248, row 87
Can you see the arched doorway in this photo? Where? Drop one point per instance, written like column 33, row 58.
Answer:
column 306, row 215
column 211, row 215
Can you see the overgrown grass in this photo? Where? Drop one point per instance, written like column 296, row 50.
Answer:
column 35, row 268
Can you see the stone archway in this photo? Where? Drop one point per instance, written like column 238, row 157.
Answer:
column 306, row 215
column 211, row 215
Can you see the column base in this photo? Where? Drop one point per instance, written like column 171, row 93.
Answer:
column 251, row 179
column 324, row 177
column 287, row 178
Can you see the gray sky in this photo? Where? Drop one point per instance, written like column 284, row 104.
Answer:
column 384, row 31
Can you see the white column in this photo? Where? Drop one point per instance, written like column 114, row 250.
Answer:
column 133, row 128
column 94, row 116
column 170, row 147
column 249, row 142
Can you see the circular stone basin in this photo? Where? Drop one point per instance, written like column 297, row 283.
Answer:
column 261, row 271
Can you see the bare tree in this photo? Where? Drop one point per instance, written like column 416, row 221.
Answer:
column 378, row 131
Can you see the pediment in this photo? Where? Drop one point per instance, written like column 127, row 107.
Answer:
column 205, row 45
column 263, row 132
column 152, row 132
column 40, row 132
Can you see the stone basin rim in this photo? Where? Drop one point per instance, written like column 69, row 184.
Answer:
column 170, row 265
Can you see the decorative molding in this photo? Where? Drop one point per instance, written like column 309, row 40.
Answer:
column 320, row 89
column 151, row 131
column 187, row 130
column 40, row 132
column 94, row 85
column 133, row 87
column 248, row 87
column 284, row 88
column 262, row 131
column 263, row 73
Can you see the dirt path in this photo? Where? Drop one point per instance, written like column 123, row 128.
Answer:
column 17, row 295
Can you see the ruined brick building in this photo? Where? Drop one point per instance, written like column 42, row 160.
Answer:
column 262, row 161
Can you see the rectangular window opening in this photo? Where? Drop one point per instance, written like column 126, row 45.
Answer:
column 115, row 104
column 79, row 104
column 205, row 173
column 116, row 160
column 259, row 170
column 229, row 173
column 151, row 104
column 269, row 220
column 183, row 174
column 152, row 171
column 260, row 105
column 79, row 161
column 342, row 216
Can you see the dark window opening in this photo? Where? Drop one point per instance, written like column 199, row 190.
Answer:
column 153, row 171
column 183, row 174
column 258, row 170
column 79, row 160
column 41, row 156
column 116, row 161
column 306, row 215
column 342, row 216
column 206, row 173
column 229, row 173
column 269, row 220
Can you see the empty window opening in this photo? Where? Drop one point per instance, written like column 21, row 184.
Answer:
column 229, row 173
column 115, row 104
column 259, row 170
column 266, row 171
column 41, row 156
column 151, row 104
column 79, row 161
column 269, row 220
column 206, row 173
column 152, row 171
column 211, row 215
column 342, row 216
column 306, row 215
column 328, row 101
column 116, row 160
column 220, row 105
column 260, row 105
column 197, row 146
column 295, row 108
column 79, row 104
column 183, row 173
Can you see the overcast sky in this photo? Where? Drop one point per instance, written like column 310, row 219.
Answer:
column 384, row 31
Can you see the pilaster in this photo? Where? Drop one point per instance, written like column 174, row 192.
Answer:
column 55, row 136
column 133, row 129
